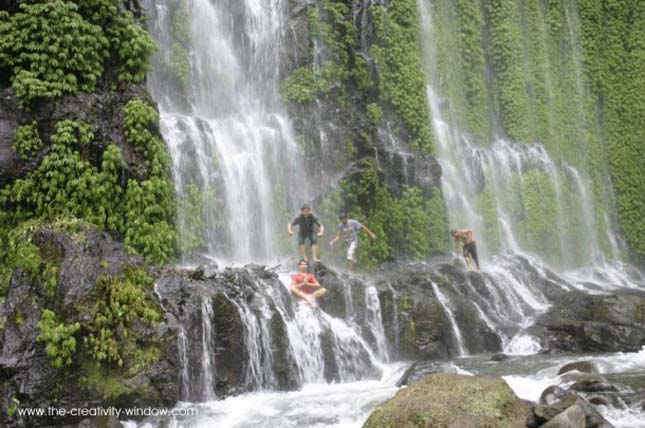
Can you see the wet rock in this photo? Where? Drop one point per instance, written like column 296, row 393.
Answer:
column 593, row 385
column 101, row 422
column 581, row 322
column 541, row 414
column 197, row 274
column 420, row 369
column 451, row 400
column 499, row 357
column 552, row 395
column 581, row 366
column 572, row 417
column 599, row 400
column 27, row 374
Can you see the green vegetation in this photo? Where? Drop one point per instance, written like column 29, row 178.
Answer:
column 613, row 40
column 26, row 140
column 303, row 85
column 461, row 64
column 401, row 81
column 411, row 225
column 57, row 47
column 331, row 25
column 117, row 303
column 66, row 184
column 374, row 113
column 61, row 343
column 150, row 203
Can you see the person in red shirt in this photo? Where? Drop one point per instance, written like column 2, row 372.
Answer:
column 305, row 286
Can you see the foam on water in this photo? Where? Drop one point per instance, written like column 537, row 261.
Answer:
column 344, row 405
column 523, row 344
column 530, row 387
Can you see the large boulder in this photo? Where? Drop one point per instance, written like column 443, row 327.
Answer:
column 453, row 401
column 581, row 322
column 27, row 376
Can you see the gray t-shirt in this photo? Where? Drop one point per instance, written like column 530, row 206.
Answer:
column 349, row 231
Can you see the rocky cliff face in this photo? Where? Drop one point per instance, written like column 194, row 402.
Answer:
column 231, row 330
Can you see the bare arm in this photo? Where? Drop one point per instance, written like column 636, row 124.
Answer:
column 290, row 229
column 321, row 229
column 369, row 232
column 315, row 282
column 336, row 238
column 456, row 239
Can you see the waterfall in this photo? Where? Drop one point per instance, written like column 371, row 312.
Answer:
column 208, row 386
column 445, row 303
column 375, row 322
column 235, row 160
column 184, row 377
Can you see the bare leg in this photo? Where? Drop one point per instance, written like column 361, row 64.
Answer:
column 469, row 262
column 320, row 292
column 314, row 252
column 299, row 294
column 303, row 252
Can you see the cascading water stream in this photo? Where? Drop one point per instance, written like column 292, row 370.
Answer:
column 461, row 349
column 235, row 160
column 519, row 201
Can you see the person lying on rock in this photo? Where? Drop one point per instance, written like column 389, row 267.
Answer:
column 467, row 238
column 348, row 230
column 307, row 223
column 305, row 286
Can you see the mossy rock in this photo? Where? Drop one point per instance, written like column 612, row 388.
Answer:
column 445, row 400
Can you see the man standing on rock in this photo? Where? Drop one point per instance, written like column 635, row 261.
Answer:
column 305, row 286
column 306, row 222
column 467, row 238
column 348, row 230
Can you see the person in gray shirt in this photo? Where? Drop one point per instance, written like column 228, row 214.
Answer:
column 348, row 231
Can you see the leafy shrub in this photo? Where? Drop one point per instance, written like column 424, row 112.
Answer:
column 51, row 50
column 118, row 303
column 59, row 338
column 26, row 140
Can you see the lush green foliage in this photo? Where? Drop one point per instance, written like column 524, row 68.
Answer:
column 401, row 81
column 374, row 113
column 149, row 204
column 65, row 184
column 118, row 302
column 57, row 47
column 61, row 343
column 411, row 225
column 613, row 38
column 330, row 25
column 303, row 85
column 51, row 49
column 26, row 140
column 461, row 64
column 191, row 220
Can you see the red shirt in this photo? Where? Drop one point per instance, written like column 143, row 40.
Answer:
column 300, row 278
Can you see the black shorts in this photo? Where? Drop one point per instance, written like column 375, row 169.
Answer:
column 302, row 238
column 470, row 249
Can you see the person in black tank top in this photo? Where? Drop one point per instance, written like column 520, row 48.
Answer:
column 309, row 229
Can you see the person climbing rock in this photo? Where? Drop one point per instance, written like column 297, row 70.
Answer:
column 467, row 238
column 305, row 286
column 348, row 231
column 306, row 222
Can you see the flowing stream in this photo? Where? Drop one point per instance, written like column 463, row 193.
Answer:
column 236, row 168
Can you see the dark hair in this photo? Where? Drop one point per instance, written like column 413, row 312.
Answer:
column 342, row 215
column 305, row 206
column 453, row 231
column 303, row 260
